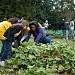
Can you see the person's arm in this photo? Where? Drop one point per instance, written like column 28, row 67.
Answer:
column 70, row 24
column 13, row 40
column 9, row 34
column 39, row 36
column 27, row 38
column 16, row 29
column 23, row 38
column 18, row 38
column 73, row 23
column 41, row 26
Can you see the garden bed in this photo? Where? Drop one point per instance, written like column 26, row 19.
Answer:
column 54, row 58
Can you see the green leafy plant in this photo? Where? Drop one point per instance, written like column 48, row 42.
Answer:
column 54, row 58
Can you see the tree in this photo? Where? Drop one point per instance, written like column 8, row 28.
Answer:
column 38, row 10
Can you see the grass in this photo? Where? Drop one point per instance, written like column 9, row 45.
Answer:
column 70, row 42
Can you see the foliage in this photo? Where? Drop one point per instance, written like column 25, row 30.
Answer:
column 55, row 33
column 39, row 10
column 41, row 59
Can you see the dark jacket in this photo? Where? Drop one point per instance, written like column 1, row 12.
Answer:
column 63, row 26
column 18, row 38
column 9, row 34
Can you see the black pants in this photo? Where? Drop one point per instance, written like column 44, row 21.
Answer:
column 18, row 38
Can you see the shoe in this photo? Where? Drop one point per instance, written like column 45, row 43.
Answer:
column 2, row 63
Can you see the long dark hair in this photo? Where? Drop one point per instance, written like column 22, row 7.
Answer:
column 36, row 25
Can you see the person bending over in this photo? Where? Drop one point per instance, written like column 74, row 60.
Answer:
column 38, row 33
column 9, row 41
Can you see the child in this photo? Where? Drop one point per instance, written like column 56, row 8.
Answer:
column 71, row 36
column 38, row 33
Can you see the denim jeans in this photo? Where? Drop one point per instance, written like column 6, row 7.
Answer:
column 46, row 40
column 71, row 34
column 64, row 33
column 6, row 48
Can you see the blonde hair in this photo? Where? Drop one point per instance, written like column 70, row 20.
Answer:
column 46, row 21
column 25, row 23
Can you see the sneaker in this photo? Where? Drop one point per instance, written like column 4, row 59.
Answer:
column 2, row 63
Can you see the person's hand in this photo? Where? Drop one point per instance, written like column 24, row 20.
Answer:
column 20, row 42
column 34, row 43
column 13, row 43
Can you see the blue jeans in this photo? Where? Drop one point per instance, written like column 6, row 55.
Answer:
column 64, row 33
column 71, row 34
column 46, row 40
column 6, row 48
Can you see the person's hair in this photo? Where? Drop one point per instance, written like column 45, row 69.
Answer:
column 13, row 20
column 5, row 19
column 46, row 21
column 72, row 19
column 25, row 23
column 35, row 24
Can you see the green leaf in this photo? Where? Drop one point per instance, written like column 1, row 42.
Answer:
column 41, row 69
column 57, row 59
column 60, row 68
column 15, row 66
column 31, row 56
column 50, row 59
column 9, row 61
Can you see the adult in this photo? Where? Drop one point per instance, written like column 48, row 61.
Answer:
column 71, row 28
column 67, row 29
column 25, row 32
column 63, row 27
column 7, row 38
column 38, row 33
column 46, row 24
column 6, row 45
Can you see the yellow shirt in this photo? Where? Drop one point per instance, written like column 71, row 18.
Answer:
column 17, row 34
column 27, row 31
column 3, row 27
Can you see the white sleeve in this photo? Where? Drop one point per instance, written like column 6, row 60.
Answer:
column 23, row 37
column 73, row 23
column 70, row 23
